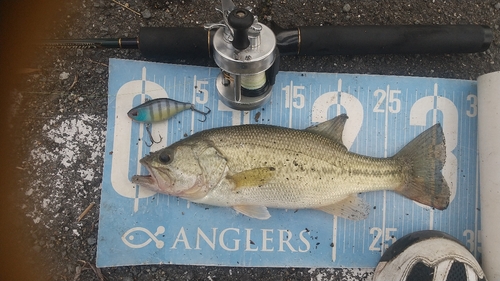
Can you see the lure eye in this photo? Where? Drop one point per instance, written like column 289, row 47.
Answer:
column 164, row 157
column 132, row 113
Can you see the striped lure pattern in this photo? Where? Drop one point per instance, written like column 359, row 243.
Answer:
column 161, row 109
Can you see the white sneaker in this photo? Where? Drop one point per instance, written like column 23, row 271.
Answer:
column 428, row 255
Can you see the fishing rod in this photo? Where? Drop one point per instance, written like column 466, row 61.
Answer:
column 248, row 51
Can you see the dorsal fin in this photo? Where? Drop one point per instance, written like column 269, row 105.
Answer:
column 331, row 129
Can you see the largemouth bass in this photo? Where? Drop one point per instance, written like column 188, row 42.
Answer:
column 253, row 167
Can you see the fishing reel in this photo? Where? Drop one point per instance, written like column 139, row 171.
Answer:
column 247, row 54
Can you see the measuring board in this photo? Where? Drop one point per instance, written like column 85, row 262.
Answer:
column 138, row 226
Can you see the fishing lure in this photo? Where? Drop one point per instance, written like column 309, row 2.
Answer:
column 161, row 109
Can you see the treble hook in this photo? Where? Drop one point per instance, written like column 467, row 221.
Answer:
column 201, row 112
column 151, row 136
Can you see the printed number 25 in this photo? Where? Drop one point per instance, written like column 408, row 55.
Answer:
column 377, row 241
column 389, row 98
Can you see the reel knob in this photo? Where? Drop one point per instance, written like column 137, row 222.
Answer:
column 240, row 20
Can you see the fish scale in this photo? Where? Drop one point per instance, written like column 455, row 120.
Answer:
column 252, row 167
column 258, row 145
column 336, row 158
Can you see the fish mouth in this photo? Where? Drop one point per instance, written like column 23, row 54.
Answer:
column 143, row 180
column 147, row 181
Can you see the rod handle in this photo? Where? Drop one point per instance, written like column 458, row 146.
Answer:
column 175, row 42
column 374, row 39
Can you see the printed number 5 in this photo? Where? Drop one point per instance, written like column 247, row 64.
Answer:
column 201, row 89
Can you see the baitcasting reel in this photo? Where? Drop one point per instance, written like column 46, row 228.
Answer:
column 246, row 52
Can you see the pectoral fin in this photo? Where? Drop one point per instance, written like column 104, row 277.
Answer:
column 352, row 207
column 252, row 178
column 256, row 212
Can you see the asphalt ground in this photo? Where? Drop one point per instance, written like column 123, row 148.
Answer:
column 54, row 122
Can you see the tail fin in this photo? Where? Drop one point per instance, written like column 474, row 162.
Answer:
column 422, row 160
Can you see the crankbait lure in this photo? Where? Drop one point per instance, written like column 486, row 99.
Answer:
column 161, row 109
column 157, row 110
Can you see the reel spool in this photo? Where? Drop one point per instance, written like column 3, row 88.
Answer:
column 246, row 52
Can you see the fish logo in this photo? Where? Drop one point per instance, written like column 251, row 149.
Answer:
column 129, row 238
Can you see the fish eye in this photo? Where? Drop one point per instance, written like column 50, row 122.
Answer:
column 164, row 157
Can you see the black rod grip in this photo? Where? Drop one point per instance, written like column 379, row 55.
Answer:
column 174, row 42
column 398, row 39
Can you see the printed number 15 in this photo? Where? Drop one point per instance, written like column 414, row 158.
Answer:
column 292, row 92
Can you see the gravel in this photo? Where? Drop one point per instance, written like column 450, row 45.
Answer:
column 55, row 116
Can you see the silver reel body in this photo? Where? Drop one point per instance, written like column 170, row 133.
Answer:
column 247, row 54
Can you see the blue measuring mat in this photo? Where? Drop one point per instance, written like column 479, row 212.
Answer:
column 138, row 226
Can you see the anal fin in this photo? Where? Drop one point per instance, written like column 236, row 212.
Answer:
column 256, row 212
column 352, row 207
